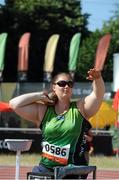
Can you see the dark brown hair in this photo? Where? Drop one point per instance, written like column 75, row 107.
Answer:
column 60, row 74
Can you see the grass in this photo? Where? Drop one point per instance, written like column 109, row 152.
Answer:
column 25, row 159
column 102, row 162
column 105, row 162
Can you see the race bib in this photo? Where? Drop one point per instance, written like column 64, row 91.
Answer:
column 56, row 153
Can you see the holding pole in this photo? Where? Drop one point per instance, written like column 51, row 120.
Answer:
column 17, row 165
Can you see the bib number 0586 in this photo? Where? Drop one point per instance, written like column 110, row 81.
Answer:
column 57, row 151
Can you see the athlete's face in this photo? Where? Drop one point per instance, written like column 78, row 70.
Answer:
column 63, row 86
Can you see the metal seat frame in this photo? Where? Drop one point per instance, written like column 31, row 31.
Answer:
column 61, row 171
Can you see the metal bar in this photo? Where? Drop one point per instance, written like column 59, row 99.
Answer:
column 39, row 130
column 21, row 129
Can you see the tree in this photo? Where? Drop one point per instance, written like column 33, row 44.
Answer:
column 112, row 27
column 42, row 18
column 50, row 14
column 89, row 44
column 87, row 54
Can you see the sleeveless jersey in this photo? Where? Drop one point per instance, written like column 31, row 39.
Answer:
column 60, row 136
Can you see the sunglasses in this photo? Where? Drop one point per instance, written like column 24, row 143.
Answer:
column 64, row 83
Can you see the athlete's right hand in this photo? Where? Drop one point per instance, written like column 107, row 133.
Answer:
column 48, row 98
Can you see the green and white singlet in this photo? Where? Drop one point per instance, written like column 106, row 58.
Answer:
column 60, row 136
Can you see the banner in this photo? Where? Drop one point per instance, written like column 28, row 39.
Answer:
column 50, row 56
column 23, row 53
column 74, row 51
column 3, row 38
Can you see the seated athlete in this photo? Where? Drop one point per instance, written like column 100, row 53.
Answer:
column 61, row 122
